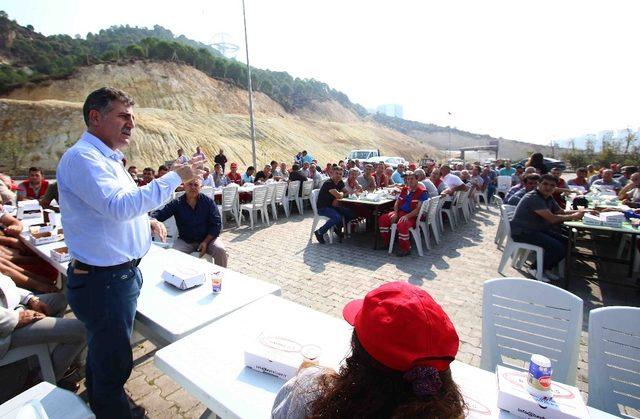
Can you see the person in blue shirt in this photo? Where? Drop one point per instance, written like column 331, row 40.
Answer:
column 107, row 231
column 198, row 221
column 507, row 170
column 306, row 158
column 398, row 174
column 247, row 177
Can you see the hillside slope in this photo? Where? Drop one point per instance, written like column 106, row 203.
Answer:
column 179, row 106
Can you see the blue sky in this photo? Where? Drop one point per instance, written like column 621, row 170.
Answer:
column 535, row 71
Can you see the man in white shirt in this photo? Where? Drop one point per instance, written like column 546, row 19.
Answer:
column 453, row 184
column 207, row 179
column 108, row 231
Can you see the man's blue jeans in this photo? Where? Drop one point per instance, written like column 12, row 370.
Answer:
column 105, row 302
column 335, row 215
column 554, row 245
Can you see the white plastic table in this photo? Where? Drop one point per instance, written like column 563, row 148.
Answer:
column 209, row 363
column 56, row 403
column 166, row 314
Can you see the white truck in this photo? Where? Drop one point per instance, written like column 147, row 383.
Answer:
column 362, row 155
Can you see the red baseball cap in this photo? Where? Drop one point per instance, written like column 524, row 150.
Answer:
column 402, row 327
column 412, row 166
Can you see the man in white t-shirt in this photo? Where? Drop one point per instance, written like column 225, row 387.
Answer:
column 453, row 184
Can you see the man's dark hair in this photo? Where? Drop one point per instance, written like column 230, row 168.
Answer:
column 130, row 167
column 273, row 161
column 100, row 100
column 148, row 169
column 35, row 169
column 250, row 168
column 549, row 178
column 630, row 169
column 295, row 167
column 341, row 161
column 304, row 151
column 532, row 176
column 163, row 167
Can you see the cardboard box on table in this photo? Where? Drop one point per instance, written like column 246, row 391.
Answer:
column 565, row 403
column 45, row 234
column 184, row 278
column 28, row 209
column 61, row 254
column 281, row 352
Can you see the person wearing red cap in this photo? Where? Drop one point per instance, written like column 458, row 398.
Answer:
column 404, row 213
column 402, row 345
column 233, row 176
column 412, row 166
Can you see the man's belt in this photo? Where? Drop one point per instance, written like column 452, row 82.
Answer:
column 86, row 267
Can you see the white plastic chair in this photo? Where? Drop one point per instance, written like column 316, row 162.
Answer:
column 462, row 205
column 230, row 203
column 513, row 249
column 505, row 211
column 451, row 211
column 208, row 191
column 172, row 232
column 317, row 217
column 307, row 187
column 431, row 222
column 481, row 194
column 504, row 184
column 41, row 351
column 268, row 202
column 521, row 317
column 415, row 231
column 177, row 195
column 293, row 196
column 278, row 198
column 614, row 359
column 257, row 204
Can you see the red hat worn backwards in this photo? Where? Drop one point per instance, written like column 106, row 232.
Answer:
column 402, row 327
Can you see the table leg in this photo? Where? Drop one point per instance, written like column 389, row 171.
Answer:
column 375, row 229
column 632, row 258
column 567, row 258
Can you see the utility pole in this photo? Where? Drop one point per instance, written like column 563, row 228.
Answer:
column 253, row 130
column 450, row 115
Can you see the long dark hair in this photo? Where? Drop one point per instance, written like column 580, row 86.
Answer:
column 364, row 388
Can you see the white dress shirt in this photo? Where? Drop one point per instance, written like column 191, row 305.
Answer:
column 104, row 213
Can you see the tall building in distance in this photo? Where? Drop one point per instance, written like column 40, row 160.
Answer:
column 390, row 109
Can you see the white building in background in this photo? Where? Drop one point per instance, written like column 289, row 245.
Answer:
column 390, row 109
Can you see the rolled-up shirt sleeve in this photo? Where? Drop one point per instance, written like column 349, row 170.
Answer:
column 105, row 194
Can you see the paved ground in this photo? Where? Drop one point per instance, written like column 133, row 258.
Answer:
column 325, row 277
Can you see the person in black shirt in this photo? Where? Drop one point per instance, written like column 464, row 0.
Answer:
column 198, row 221
column 329, row 205
column 263, row 175
column 221, row 159
column 296, row 174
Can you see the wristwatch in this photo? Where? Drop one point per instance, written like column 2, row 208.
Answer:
column 33, row 298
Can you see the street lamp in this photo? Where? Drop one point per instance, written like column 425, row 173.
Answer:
column 253, row 130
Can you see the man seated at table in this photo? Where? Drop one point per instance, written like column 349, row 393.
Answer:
column 530, row 183
column 305, row 169
column 626, row 173
column 351, row 186
column 405, row 211
column 580, row 179
column 50, row 196
column 283, row 170
column 315, row 175
column 520, row 185
column 452, row 184
column 429, row 186
column 148, row 175
column 328, row 204
column 515, row 178
column 630, row 194
column 396, row 177
column 198, row 221
column 233, row 176
column 27, row 319
column 34, row 187
column 561, row 187
column 535, row 221
column 263, row 175
column 607, row 183
column 207, row 179
column 247, row 176
column 133, row 171
column 366, row 179
column 274, row 170
column 380, row 177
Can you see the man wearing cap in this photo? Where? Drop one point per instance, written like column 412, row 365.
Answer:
column 404, row 213
column 233, row 176
column 403, row 344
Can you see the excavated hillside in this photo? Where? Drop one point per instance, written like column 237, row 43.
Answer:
column 178, row 106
